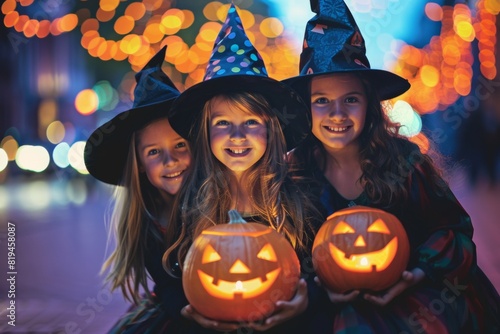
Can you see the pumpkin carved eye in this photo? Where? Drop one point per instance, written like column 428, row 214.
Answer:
column 342, row 228
column 210, row 255
column 267, row 253
column 378, row 226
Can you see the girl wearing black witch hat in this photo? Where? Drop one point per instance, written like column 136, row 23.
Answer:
column 355, row 156
column 139, row 153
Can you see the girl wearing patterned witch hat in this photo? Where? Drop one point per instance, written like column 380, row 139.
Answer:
column 241, row 124
column 355, row 156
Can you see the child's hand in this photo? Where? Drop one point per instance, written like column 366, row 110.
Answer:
column 190, row 313
column 408, row 279
column 285, row 310
column 336, row 297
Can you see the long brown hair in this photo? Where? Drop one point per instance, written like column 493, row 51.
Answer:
column 206, row 198
column 137, row 204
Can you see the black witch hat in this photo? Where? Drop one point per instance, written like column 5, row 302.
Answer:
column 333, row 44
column 107, row 148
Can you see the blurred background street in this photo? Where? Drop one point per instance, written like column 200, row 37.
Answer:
column 68, row 66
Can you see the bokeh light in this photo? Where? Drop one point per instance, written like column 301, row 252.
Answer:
column 4, row 159
column 75, row 157
column 32, row 158
column 60, row 155
column 87, row 102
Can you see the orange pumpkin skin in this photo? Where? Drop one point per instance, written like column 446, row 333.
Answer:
column 237, row 272
column 360, row 248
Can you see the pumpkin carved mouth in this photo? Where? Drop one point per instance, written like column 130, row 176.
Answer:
column 239, row 289
column 366, row 262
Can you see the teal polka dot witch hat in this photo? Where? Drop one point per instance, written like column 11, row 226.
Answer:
column 333, row 44
column 236, row 66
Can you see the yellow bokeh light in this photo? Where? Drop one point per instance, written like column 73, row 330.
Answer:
column 209, row 31
column 465, row 30
column 221, row 12
column 86, row 102
column 56, row 132
column 429, row 75
column 171, row 24
column 131, row 44
column 271, row 27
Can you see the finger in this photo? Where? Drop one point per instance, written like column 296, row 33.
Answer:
column 317, row 281
column 407, row 276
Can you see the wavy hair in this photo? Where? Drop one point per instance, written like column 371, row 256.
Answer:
column 137, row 204
column 206, row 199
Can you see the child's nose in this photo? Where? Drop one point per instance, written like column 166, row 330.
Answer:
column 169, row 159
column 237, row 133
column 337, row 111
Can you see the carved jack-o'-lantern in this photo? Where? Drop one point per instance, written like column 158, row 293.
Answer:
column 360, row 248
column 237, row 271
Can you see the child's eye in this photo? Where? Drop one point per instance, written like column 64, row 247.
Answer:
column 321, row 100
column 181, row 145
column 351, row 99
column 222, row 123
column 153, row 152
column 252, row 122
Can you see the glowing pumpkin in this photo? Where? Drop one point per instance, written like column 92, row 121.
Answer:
column 360, row 248
column 237, row 271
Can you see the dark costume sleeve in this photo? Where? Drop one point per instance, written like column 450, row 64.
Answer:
column 443, row 231
column 167, row 289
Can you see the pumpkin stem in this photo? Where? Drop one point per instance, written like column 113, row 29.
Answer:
column 235, row 217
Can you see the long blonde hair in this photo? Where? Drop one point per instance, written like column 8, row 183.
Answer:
column 137, row 205
column 205, row 199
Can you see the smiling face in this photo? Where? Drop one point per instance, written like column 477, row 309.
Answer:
column 238, row 138
column 163, row 155
column 338, row 107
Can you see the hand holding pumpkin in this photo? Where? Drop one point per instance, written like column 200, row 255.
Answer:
column 336, row 297
column 285, row 310
column 408, row 279
column 190, row 313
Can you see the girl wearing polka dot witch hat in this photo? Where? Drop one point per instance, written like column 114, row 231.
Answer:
column 355, row 156
column 241, row 123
